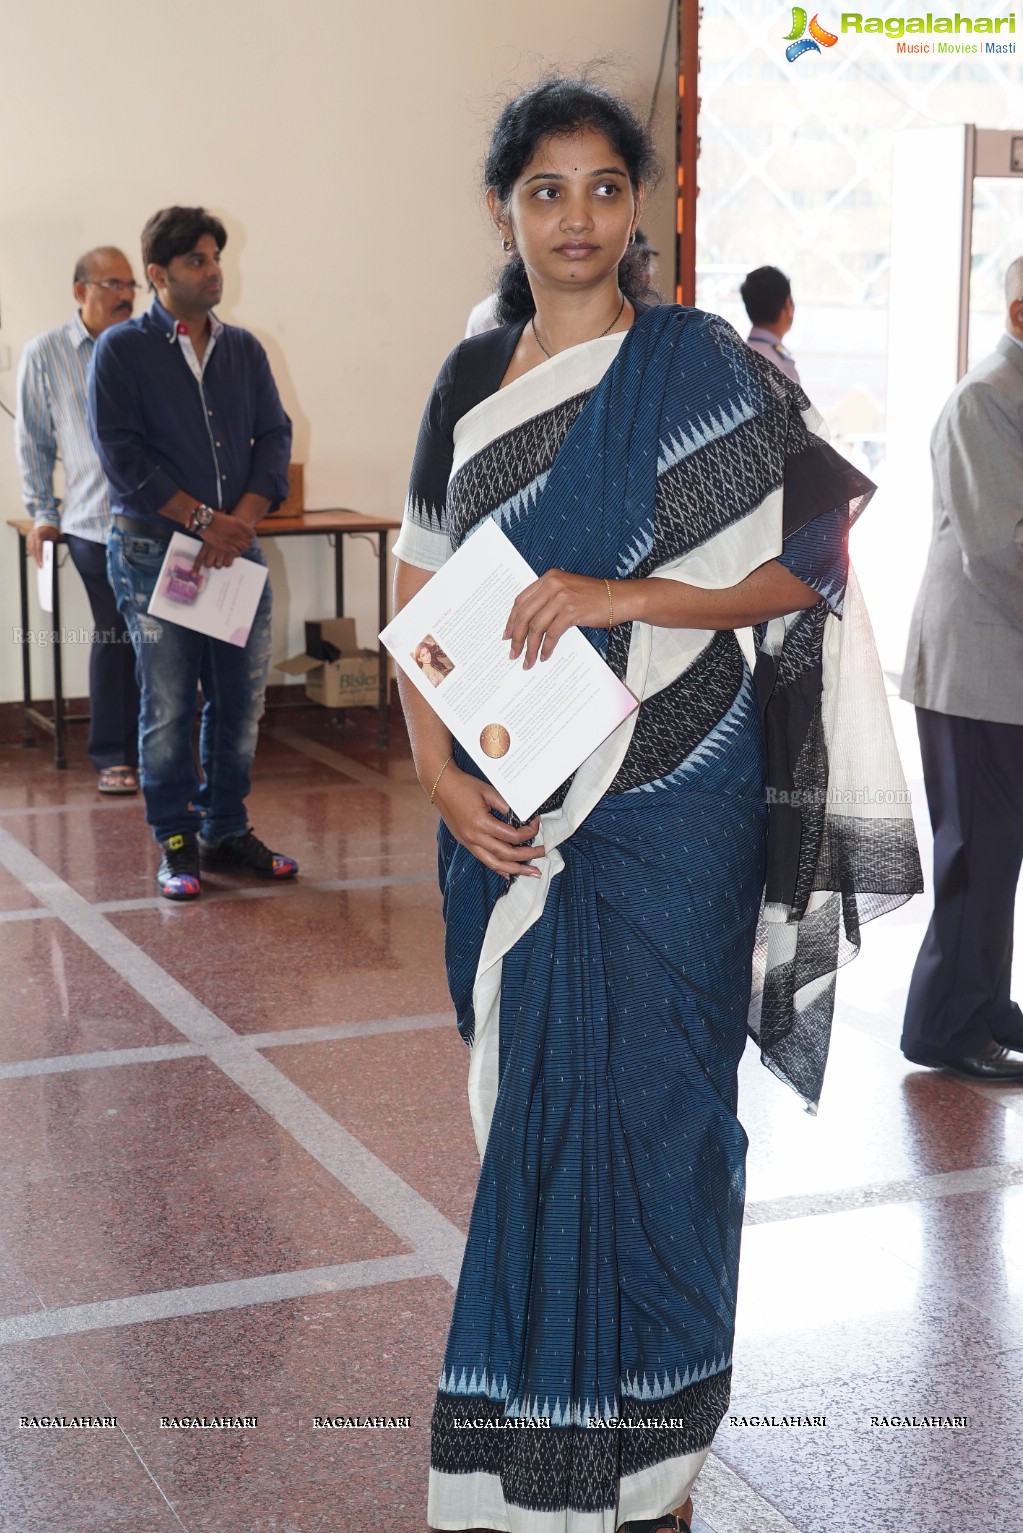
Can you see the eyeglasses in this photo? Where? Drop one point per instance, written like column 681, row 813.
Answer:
column 115, row 285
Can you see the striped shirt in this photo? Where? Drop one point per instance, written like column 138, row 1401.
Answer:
column 767, row 343
column 53, row 417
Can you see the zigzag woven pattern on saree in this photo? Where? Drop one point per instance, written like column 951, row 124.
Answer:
column 677, row 720
column 517, row 463
column 575, row 1466
column 709, row 490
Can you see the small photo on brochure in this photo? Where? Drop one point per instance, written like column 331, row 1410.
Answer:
column 435, row 665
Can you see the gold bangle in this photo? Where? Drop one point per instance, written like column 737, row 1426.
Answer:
column 440, row 774
column 610, row 604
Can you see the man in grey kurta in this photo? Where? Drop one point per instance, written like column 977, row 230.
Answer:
column 964, row 672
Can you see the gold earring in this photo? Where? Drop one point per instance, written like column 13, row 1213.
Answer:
column 507, row 244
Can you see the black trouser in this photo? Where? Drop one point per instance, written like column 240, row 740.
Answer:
column 113, row 690
column 959, row 994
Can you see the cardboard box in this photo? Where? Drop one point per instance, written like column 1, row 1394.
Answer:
column 350, row 681
column 295, row 503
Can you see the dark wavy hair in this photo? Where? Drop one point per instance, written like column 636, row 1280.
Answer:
column 175, row 231
column 552, row 109
column 438, row 659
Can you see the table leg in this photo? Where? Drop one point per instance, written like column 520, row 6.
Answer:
column 339, row 715
column 59, row 758
column 384, row 708
column 339, row 574
column 29, row 738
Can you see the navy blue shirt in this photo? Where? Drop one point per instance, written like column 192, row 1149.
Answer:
column 158, row 428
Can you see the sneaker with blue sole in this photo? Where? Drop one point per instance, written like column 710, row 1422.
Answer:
column 178, row 873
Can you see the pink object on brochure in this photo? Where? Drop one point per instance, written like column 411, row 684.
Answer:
column 220, row 603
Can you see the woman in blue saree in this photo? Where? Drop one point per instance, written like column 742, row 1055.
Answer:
column 700, row 877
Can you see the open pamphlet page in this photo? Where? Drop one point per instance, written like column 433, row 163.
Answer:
column 527, row 730
column 44, row 578
column 220, row 603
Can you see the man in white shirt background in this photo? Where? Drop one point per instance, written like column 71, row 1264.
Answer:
column 767, row 296
column 53, row 421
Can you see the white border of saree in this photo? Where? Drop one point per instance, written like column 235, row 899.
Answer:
column 481, row 1504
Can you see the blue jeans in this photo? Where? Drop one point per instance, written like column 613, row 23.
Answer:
column 171, row 663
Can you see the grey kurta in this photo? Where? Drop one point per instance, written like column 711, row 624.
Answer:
column 965, row 651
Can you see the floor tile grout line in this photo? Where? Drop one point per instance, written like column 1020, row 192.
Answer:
column 380, row 1189
column 279, row 890
column 226, row 896
column 339, row 1031
column 297, row 742
column 63, row 1064
column 213, row 1298
column 104, row 1059
column 920, row 1189
column 145, row 1467
column 367, row 776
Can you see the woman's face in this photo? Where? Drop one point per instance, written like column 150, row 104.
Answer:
column 424, row 655
column 572, row 211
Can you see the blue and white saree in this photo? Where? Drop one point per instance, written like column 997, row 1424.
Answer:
column 706, row 873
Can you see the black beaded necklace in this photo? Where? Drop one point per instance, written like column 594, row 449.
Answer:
column 599, row 337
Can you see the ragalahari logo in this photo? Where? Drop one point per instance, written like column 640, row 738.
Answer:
column 798, row 44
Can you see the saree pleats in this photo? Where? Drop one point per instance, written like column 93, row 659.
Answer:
column 600, row 1271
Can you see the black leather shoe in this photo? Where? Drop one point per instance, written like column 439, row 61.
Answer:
column 670, row 1522
column 993, row 1063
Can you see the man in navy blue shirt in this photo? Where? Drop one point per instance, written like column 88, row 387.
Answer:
column 192, row 437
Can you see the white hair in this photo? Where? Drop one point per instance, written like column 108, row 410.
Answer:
column 1014, row 281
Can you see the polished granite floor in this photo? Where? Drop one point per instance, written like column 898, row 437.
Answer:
column 236, row 1167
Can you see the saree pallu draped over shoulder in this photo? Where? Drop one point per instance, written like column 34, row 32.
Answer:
column 707, row 870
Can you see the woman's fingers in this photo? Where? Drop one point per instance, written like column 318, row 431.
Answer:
column 544, row 632
column 539, row 625
column 548, row 608
column 493, row 799
column 508, row 849
column 466, row 804
column 522, row 603
column 507, row 862
column 525, row 607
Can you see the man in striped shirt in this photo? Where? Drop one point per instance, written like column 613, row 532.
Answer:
column 53, row 419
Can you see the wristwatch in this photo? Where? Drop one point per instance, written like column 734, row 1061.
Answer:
column 200, row 519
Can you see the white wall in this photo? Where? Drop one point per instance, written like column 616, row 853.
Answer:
column 341, row 142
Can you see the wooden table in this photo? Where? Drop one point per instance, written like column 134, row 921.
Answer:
column 337, row 523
